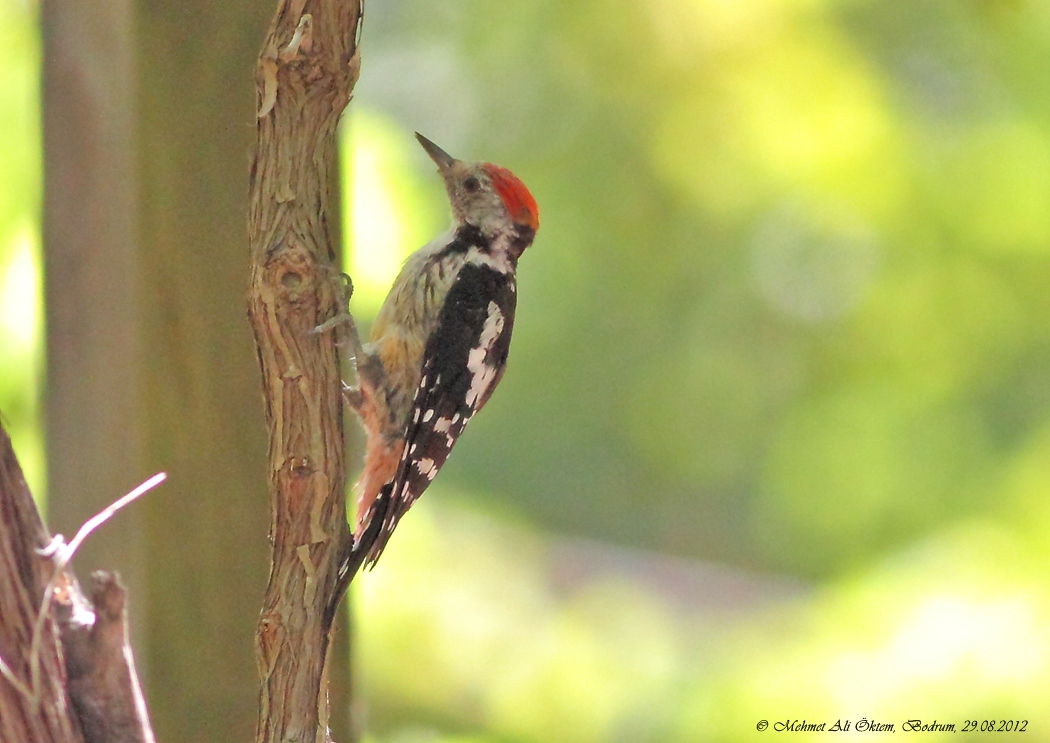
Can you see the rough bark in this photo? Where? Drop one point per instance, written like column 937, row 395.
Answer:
column 22, row 579
column 304, row 77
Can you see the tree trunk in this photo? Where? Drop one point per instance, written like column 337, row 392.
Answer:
column 22, row 581
column 305, row 76
column 148, row 113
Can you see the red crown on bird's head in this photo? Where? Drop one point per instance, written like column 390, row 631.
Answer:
column 516, row 198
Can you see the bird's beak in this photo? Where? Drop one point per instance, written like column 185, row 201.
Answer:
column 443, row 159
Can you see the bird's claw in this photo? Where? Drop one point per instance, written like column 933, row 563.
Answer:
column 333, row 322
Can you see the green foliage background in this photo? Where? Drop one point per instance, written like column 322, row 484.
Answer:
column 21, row 341
column 785, row 332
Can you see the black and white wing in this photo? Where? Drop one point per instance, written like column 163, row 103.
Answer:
column 463, row 362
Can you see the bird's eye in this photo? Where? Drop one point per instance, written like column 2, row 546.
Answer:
column 471, row 184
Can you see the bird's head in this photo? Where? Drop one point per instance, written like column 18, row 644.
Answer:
column 486, row 196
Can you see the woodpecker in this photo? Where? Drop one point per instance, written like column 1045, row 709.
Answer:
column 439, row 344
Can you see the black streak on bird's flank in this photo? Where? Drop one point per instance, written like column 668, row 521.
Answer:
column 464, row 361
